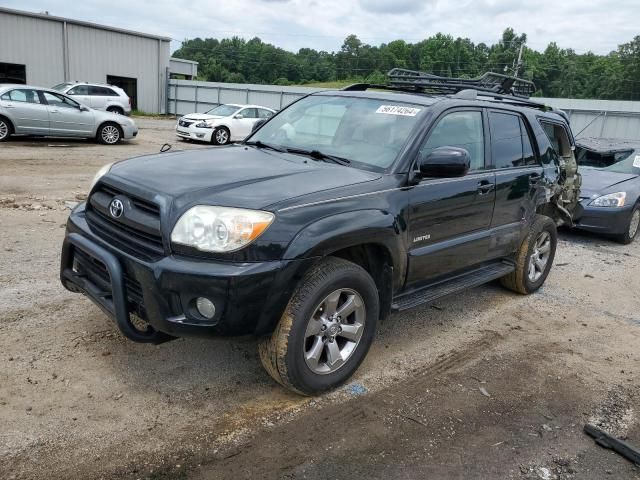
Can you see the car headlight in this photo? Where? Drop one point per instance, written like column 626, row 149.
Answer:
column 101, row 173
column 205, row 124
column 220, row 229
column 610, row 200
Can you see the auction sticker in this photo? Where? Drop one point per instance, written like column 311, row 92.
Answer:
column 636, row 161
column 398, row 110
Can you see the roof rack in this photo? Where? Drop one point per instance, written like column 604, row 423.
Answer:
column 489, row 82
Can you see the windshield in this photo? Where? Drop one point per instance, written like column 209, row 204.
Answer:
column 223, row 110
column 363, row 130
column 627, row 161
column 61, row 86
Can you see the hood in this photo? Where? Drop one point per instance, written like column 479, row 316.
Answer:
column 201, row 116
column 234, row 176
column 595, row 182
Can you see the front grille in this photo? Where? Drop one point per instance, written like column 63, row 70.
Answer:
column 136, row 231
column 185, row 123
column 97, row 273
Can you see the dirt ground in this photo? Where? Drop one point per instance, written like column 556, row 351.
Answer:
column 487, row 384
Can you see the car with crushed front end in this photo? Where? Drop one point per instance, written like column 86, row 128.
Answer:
column 43, row 112
column 223, row 124
column 340, row 209
column 610, row 194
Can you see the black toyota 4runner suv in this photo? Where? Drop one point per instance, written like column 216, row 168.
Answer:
column 343, row 207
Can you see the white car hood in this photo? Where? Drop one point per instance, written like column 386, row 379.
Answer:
column 201, row 116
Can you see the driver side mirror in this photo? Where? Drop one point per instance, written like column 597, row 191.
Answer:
column 83, row 108
column 238, row 116
column 444, row 162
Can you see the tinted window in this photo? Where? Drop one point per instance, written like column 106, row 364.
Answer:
column 528, row 154
column 558, row 137
column 79, row 90
column 56, row 100
column 506, row 140
column 101, row 92
column 22, row 95
column 459, row 129
column 262, row 113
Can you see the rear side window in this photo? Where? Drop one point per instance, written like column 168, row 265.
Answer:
column 558, row 137
column 510, row 142
column 459, row 129
column 79, row 90
column 262, row 113
column 249, row 113
column 101, row 92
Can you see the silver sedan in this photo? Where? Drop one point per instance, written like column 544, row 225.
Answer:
column 26, row 110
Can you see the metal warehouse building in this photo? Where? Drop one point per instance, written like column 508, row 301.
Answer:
column 44, row 50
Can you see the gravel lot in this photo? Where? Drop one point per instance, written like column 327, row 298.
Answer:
column 487, row 384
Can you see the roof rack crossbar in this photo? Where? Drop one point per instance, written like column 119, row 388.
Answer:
column 489, row 82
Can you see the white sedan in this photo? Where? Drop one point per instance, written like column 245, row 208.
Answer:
column 222, row 124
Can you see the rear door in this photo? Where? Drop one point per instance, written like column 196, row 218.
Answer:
column 26, row 110
column 66, row 118
column 449, row 218
column 518, row 178
column 99, row 97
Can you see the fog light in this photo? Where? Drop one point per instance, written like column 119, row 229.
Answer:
column 205, row 307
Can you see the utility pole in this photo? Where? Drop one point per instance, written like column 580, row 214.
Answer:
column 519, row 64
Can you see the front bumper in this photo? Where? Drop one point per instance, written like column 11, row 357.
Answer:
column 194, row 133
column 249, row 297
column 129, row 131
column 606, row 220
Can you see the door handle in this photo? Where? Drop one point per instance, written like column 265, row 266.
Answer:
column 53, row 111
column 8, row 105
column 484, row 187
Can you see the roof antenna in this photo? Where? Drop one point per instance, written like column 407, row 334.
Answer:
column 165, row 148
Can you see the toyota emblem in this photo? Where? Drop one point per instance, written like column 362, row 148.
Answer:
column 116, row 208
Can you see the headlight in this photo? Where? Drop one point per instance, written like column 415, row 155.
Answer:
column 101, row 173
column 220, row 229
column 610, row 200
column 205, row 124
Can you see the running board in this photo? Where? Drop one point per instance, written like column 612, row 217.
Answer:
column 468, row 280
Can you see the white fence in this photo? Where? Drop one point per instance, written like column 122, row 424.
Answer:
column 589, row 118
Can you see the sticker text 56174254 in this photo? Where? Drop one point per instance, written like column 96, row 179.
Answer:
column 398, row 110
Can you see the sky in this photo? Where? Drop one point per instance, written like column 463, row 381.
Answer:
column 587, row 25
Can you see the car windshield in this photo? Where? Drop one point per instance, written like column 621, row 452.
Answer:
column 626, row 161
column 367, row 131
column 61, row 86
column 223, row 110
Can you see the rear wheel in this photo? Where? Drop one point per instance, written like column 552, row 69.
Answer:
column 325, row 331
column 5, row 129
column 632, row 229
column 534, row 258
column 109, row 134
column 220, row 136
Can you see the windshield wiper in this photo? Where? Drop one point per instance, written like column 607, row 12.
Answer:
column 259, row 144
column 318, row 155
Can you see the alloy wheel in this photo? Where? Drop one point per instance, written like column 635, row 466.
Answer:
column 334, row 331
column 222, row 136
column 4, row 129
column 110, row 134
column 540, row 256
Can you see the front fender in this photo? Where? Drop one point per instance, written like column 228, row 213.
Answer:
column 350, row 229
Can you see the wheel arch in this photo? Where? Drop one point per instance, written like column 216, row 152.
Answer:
column 105, row 122
column 12, row 127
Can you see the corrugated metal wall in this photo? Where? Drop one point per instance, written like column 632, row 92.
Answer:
column 589, row 118
column 93, row 53
column 36, row 43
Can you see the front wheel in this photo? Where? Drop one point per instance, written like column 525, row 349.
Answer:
column 326, row 329
column 534, row 258
column 632, row 229
column 220, row 136
column 109, row 134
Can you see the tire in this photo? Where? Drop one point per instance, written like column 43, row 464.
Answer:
column 117, row 110
column 109, row 133
column 6, row 129
column 220, row 136
column 632, row 228
column 290, row 355
column 541, row 243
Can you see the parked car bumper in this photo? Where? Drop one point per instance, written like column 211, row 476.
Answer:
column 129, row 131
column 194, row 133
column 248, row 297
column 605, row 219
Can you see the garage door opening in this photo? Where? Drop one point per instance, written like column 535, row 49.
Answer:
column 129, row 85
column 13, row 73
